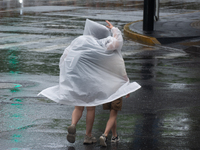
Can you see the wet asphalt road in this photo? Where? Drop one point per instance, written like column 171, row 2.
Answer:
column 163, row 114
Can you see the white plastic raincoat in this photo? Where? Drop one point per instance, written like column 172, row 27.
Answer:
column 92, row 70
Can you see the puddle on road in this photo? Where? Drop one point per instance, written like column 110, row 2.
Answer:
column 15, row 85
column 21, row 62
column 181, row 126
column 171, row 56
column 5, row 85
column 31, row 100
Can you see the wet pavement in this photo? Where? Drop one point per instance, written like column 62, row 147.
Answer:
column 163, row 114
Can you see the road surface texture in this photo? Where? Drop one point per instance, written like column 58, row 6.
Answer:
column 163, row 115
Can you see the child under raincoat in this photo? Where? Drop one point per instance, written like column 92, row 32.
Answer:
column 92, row 70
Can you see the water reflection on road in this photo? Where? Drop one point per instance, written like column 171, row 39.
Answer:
column 163, row 114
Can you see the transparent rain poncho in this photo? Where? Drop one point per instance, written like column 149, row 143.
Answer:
column 92, row 70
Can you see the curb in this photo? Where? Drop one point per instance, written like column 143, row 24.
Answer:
column 139, row 37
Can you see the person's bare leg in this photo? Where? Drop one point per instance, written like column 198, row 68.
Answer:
column 90, row 120
column 77, row 114
column 111, row 121
column 114, row 129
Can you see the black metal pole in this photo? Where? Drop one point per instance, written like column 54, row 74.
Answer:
column 148, row 15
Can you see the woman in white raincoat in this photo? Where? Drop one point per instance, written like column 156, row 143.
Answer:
column 92, row 72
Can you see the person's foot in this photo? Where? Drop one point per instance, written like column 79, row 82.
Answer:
column 89, row 140
column 115, row 139
column 71, row 136
column 103, row 140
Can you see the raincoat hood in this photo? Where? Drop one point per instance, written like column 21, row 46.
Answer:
column 96, row 30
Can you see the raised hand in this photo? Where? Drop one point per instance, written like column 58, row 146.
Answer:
column 109, row 24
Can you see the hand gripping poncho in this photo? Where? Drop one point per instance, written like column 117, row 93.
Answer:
column 92, row 70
